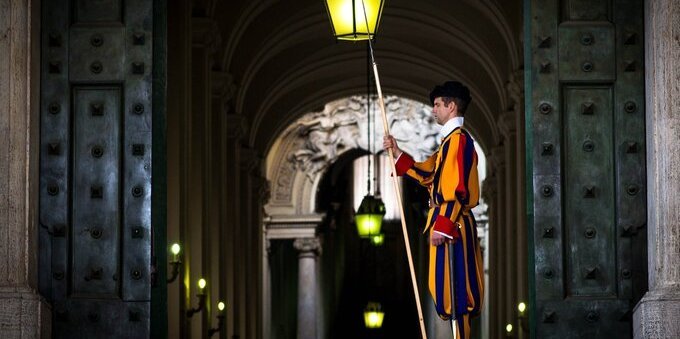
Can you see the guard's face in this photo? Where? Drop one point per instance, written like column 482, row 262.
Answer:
column 442, row 112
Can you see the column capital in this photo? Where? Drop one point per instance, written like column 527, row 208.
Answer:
column 205, row 33
column 308, row 246
column 507, row 123
column 263, row 188
column 497, row 157
column 236, row 126
column 489, row 189
column 515, row 90
column 250, row 160
column 223, row 86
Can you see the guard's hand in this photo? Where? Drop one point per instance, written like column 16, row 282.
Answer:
column 437, row 239
column 390, row 143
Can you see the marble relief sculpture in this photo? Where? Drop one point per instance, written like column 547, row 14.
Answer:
column 341, row 126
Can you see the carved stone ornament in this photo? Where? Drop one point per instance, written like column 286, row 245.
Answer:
column 342, row 125
column 308, row 246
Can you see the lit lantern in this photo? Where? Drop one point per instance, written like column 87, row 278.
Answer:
column 508, row 328
column 220, row 306
column 175, row 249
column 369, row 216
column 201, row 284
column 521, row 307
column 373, row 315
column 348, row 18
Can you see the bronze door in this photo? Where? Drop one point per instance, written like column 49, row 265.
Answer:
column 586, row 146
column 95, row 167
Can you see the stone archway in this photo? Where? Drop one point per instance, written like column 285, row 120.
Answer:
column 295, row 165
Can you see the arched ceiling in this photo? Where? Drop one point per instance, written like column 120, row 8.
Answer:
column 285, row 62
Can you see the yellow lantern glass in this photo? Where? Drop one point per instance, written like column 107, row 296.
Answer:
column 220, row 306
column 369, row 216
column 373, row 316
column 201, row 283
column 349, row 21
column 508, row 328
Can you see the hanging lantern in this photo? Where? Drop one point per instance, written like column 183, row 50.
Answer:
column 349, row 21
column 369, row 216
column 373, row 315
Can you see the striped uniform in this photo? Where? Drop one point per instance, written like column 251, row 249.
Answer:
column 451, row 177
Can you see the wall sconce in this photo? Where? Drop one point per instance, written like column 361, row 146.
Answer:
column 175, row 263
column 220, row 320
column 522, row 307
column 201, row 299
column 508, row 331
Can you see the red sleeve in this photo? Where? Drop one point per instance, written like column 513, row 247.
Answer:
column 444, row 225
column 404, row 163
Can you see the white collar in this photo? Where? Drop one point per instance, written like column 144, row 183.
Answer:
column 449, row 126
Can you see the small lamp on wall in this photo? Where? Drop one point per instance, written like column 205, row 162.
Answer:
column 220, row 319
column 201, row 298
column 175, row 263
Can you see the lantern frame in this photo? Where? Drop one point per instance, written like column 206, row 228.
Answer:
column 357, row 33
column 373, row 315
column 369, row 216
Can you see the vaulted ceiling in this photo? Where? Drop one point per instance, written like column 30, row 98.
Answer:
column 284, row 61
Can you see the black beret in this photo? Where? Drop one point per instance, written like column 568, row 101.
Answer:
column 452, row 89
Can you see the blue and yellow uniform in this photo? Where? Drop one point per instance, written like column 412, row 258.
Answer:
column 451, row 177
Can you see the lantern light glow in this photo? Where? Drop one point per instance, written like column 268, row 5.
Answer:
column 508, row 328
column 369, row 216
column 175, row 248
column 348, row 18
column 373, row 315
column 220, row 306
column 201, row 283
column 378, row 240
column 521, row 307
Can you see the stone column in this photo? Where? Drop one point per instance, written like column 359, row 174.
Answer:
column 657, row 315
column 309, row 249
column 254, row 192
column 515, row 88
column 178, row 111
column 506, row 123
column 490, row 297
column 234, row 127
column 497, row 242
column 23, row 313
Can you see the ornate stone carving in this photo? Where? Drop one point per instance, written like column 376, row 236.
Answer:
column 206, row 33
column 284, row 181
column 489, row 189
column 250, row 161
column 223, row 89
column 497, row 158
column 308, row 246
column 236, row 126
column 342, row 125
column 515, row 88
column 507, row 123
column 264, row 190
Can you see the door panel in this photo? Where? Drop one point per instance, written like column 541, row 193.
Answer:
column 95, row 167
column 586, row 147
